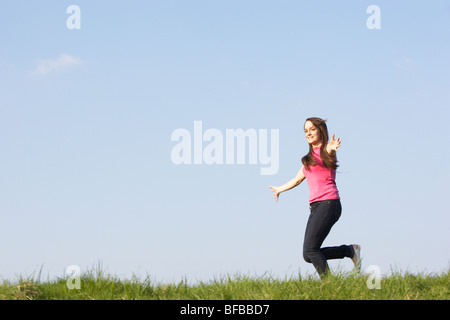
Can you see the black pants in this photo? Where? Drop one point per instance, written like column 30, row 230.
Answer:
column 324, row 215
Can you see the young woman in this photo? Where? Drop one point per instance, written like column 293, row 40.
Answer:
column 319, row 169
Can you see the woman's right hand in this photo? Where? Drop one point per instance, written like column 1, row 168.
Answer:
column 275, row 192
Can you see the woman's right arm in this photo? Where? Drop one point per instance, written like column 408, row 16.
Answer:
column 288, row 185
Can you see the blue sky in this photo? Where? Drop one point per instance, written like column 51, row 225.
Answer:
column 86, row 118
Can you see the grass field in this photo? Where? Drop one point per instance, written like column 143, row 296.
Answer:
column 96, row 285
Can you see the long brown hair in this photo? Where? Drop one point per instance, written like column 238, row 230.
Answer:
column 328, row 161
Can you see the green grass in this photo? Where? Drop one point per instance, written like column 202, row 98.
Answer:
column 96, row 285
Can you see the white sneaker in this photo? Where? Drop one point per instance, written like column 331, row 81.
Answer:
column 357, row 257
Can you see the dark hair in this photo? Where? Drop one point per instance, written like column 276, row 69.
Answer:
column 328, row 161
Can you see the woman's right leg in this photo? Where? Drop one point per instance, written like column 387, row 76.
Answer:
column 324, row 215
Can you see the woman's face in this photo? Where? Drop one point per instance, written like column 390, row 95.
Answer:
column 312, row 134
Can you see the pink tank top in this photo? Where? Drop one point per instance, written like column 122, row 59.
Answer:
column 321, row 180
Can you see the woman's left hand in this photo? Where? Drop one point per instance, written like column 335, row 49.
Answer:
column 333, row 144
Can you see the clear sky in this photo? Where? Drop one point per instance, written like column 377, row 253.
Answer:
column 86, row 118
